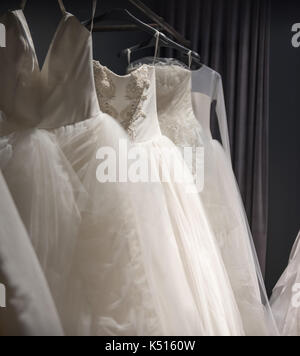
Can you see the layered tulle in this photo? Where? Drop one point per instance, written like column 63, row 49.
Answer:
column 128, row 274
column 45, row 188
column 131, row 100
column 220, row 195
column 285, row 301
column 202, row 261
column 29, row 308
column 228, row 219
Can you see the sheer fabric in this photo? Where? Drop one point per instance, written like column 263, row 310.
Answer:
column 30, row 310
column 285, row 298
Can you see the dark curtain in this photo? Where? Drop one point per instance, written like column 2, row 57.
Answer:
column 233, row 37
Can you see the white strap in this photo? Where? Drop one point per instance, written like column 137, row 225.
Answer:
column 129, row 56
column 95, row 2
column 60, row 2
column 190, row 59
column 157, row 36
column 62, row 6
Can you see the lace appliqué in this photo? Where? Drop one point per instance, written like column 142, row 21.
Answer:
column 136, row 94
column 106, row 90
column 136, row 90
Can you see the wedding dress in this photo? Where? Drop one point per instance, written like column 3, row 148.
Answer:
column 285, row 301
column 86, row 234
column 29, row 309
column 220, row 194
column 113, row 280
column 131, row 100
column 207, row 88
column 34, row 101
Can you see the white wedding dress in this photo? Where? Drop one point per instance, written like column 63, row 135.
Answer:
column 220, row 194
column 29, row 310
column 34, row 101
column 285, row 301
column 244, row 268
column 98, row 244
column 131, row 100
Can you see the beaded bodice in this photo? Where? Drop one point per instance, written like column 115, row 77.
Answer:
column 130, row 99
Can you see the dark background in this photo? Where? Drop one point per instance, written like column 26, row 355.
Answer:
column 284, row 217
column 284, row 223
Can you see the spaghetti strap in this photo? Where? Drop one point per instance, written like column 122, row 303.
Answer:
column 157, row 37
column 62, row 6
column 60, row 2
column 95, row 2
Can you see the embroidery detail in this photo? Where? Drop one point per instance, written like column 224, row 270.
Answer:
column 136, row 94
column 136, row 90
column 106, row 90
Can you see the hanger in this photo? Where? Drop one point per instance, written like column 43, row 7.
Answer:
column 157, row 22
column 121, row 15
column 160, row 40
column 162, row 24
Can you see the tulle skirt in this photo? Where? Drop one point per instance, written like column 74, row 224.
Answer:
column 200, row 254
column 108, row 291
column 223, row 203
column 285, row 301
column 29, row 310
column 146, row 259
column 45, row 189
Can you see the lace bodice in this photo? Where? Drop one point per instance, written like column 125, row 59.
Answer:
column 174, row 103
column 130, row 99
column 161, row 62
column 175, row 110
column 207, row 87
